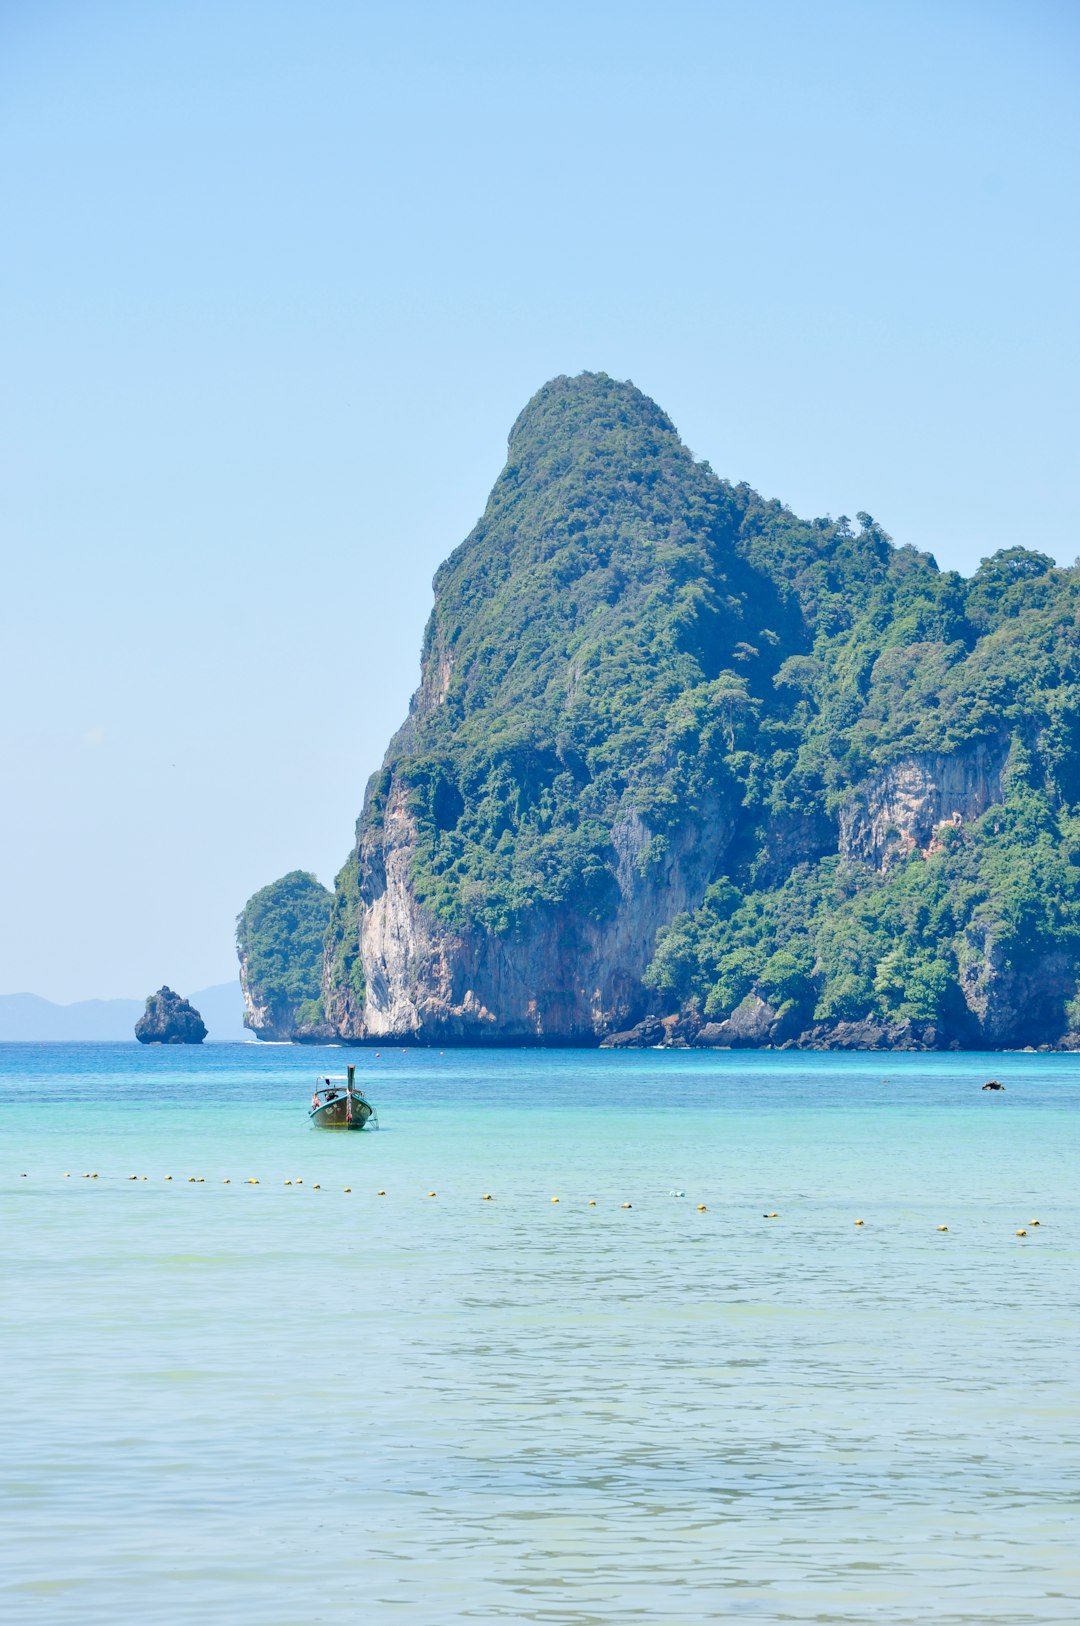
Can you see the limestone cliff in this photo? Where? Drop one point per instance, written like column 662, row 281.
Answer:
column 562, row 977
column 562, row 786
column 901, row 810
column 683, row 768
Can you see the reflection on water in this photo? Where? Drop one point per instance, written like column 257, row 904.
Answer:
column 279, row 1406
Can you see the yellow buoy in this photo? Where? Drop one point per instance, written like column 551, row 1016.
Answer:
column 592, row 1202
column 288, row 1182
column 226, row 1182
column 380, row 1194
column 67, row 1177
column 433, row 1193
column 130, row 1177
column 554, row 1199
column 201, row 1181
column 701, row 1208
column 487, row 1197
column 628, row 1205
column 298, row 1182
column 253, row 1182
column 168, row 1177
column 316, row 1188
column 860, row 1222
column 1021, row 1233
column 943, row 1227
column 346, row 1188
column 93, row 1177
column 1030, row 1222
column 773, row 1215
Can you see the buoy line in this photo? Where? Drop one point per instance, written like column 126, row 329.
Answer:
column 487, row 1196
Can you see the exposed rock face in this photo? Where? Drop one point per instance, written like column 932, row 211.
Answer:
column 644, row 1035
column 169, row 1019
column 870, row 1034
column 576, row 684
column 264, row 1020
column 1009, row 1002
column 752, row 1024
column 279, row 1020
column 901, row 810
column 674, row 1032
column 647, row 699
column 567, row 978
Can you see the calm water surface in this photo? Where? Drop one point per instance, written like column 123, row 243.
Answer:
column 285, row 1406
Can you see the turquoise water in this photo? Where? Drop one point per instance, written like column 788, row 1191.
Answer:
column 285, row 1406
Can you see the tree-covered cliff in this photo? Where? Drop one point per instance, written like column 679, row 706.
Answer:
column 279, row 939
column 675, row 750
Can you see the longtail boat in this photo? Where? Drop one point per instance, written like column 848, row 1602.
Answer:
column 338, row 1104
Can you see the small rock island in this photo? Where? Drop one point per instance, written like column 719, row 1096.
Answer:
column 169, row 1019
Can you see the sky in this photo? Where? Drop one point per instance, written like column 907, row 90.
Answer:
column 277, row 277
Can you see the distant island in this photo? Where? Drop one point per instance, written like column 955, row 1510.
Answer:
column 169, row 1019
column 686, row 769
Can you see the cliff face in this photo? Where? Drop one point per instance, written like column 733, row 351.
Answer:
column 1014, row 999
column 597, row 648
column 901, row 811
column 559, row 978
column 683, row 768
column 273, row 1020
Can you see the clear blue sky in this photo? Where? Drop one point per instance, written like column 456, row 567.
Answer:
column 277, row 278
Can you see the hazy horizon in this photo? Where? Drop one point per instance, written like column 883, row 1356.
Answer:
column 276, row 284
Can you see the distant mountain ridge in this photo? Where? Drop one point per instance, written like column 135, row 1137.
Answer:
column 28, row 1018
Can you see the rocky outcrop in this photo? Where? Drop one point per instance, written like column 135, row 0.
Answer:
column 169, row 1019
column 903, row 809
column 753, row 1024
column 870, row 1034
column 648, row 1034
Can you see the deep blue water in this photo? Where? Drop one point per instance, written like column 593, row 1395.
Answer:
column 274, row 1404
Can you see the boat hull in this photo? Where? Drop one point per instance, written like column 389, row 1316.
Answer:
column 335, row 1114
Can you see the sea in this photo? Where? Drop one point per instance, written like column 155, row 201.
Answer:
column 575, row 1337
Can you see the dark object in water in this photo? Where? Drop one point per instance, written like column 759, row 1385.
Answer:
column 338, row 1104
column 992, row 1084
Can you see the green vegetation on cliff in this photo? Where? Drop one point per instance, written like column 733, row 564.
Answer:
column 910, row 664
column 837, row 941
column 279, row 938
column 872, row 766
column 599, row 646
